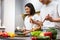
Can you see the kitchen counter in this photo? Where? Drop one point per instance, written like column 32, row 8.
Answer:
column 16, row 38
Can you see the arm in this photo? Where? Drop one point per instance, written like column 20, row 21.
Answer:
column 36, row 22
column 33, row 29
column 56, row 19
column 48, row 17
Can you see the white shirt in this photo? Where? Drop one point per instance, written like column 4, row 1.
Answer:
column 51, row 9
column 27, row 23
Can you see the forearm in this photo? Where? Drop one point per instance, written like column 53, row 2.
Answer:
column 33, row 29
column 38, row 23
column 56, row 20
column 37, row 28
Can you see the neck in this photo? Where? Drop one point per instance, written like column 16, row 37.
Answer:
column 47, row 2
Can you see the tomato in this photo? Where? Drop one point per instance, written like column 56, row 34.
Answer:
column 48, row 34
column 4, row 34
column 34, row 38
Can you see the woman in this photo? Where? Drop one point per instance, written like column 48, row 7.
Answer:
column 30, row 20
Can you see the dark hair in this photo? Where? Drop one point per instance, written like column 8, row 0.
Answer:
column 32, row 9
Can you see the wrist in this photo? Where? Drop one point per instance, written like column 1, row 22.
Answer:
column 53, row 20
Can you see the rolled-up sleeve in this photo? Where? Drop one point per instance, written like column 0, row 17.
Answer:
column 59, row 9
column 37, row 17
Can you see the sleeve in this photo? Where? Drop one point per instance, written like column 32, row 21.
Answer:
column 37, row 17
column 59, row 9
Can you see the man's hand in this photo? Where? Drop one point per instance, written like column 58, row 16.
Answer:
column 48, row 17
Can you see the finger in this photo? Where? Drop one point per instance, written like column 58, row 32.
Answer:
column 49, row 15
column 31, row 19
column 24, row 32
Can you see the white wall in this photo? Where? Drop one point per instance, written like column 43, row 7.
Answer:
column 0, row 9
column 0, row 12
column 9, row 15
column 18, row 11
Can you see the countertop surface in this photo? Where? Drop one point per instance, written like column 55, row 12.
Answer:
column 17, row 38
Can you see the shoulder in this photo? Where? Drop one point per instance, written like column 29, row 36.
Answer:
column 26, row 17
column 55, row 3
column 36, row 15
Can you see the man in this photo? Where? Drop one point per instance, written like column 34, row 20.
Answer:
column 50, row 14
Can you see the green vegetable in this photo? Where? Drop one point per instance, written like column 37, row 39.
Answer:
column 53, row 31
column 35, row 33
column 54, row 36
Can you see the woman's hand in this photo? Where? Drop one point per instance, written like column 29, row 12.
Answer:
column 26, row 32
column 31, row 20
column 36, row 22
column 23, row 29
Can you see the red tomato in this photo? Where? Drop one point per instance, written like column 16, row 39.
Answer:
column 48, row 34
column 34, row 38
column 5, row 34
